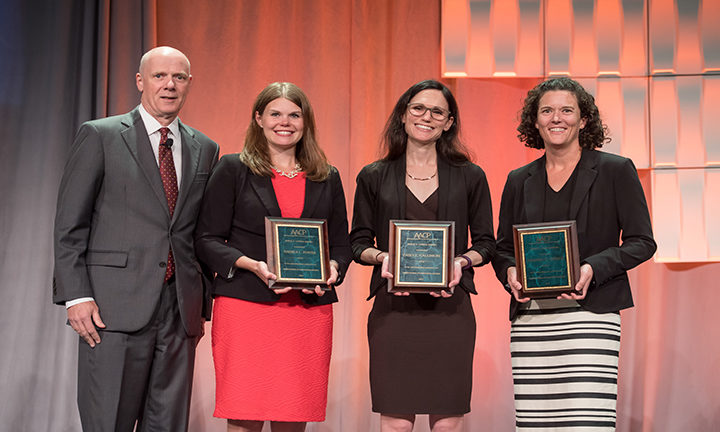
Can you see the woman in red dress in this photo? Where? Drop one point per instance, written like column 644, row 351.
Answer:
column 271, row 347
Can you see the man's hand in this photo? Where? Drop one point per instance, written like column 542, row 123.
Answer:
column 83, row 318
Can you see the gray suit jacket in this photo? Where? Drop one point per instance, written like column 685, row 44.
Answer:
column 113, row 228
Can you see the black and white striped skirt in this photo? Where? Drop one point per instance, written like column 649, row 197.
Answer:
column 565, row 365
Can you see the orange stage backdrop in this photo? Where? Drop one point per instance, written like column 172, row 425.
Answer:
column 354, row 59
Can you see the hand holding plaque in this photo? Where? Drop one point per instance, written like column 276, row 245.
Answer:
column 421, row 255
column 547, row 258
column 297, row 252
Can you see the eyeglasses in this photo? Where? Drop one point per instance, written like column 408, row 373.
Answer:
column 419, row 110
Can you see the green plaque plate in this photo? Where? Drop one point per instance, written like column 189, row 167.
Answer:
column 547, row 259
column 421, row 255
column 297, row 252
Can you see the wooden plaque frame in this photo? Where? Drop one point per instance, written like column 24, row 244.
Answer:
column 310, row 237
column 547, row 258
column 407, row 281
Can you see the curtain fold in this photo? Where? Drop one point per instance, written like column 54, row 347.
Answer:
column 62, row 63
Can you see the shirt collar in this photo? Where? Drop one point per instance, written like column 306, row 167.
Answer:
column 152, row 125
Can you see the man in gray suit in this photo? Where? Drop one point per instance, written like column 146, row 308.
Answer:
column 124, row 255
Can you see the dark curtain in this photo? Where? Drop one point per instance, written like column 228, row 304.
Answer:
column 61, row 63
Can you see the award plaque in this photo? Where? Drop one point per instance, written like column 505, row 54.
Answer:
column 297, row 252
column 421, row 255
column 547, row 258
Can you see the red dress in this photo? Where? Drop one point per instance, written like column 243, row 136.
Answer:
column 272, row 359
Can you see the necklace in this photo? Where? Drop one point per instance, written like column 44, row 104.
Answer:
column 291, row 174
column 421, row 178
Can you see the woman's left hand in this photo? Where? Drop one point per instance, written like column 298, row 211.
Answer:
column 331, row 280
column 457, row 274
column 586, row 276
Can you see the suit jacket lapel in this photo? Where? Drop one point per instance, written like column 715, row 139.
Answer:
column 444, row 182
column 264, row 189
column 313, row 190
column 534, row 191
column 190, row 161
column 397, row 175
column 137, row 141
column 585, row 177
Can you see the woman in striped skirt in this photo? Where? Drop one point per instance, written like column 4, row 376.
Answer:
column 565, row 350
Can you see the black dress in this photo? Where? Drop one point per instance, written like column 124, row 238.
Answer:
column 421, row 347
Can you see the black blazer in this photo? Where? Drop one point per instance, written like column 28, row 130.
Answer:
column 464, row 197
column 232, row 224
column 607, row 202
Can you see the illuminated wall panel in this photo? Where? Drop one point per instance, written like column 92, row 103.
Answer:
column 531, row 38
column 587, row 39
column 623, row 104
column 709, row 17
column 529, row 51
column 666, row 228
column 633, row 55
column 684, row 36
column 456, row 33
column 654, row 68
column 685, row 121
column 686, row 211
column 480, row 40
column 712, row 212
column 710, row 109
column 492, row 38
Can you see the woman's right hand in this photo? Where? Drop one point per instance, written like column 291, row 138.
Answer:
column 515, row 285
column 385, row 268
column 260, row 269
column 385, row 272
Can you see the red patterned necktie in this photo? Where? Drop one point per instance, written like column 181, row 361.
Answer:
column 169, row 180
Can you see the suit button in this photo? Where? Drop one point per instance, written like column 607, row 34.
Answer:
column 162, row 264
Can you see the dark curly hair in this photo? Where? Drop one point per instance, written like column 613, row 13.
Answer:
column 593, row 135
column 449, row 146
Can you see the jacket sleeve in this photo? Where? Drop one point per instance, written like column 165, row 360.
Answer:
column 79, row 188
column 505, row 253
column 215, row 219
column 362, row 235
column 637, row 244
column 480, row 218
column 207, row 274
column 338, row 227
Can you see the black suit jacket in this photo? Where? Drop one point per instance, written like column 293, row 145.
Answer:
column 232, row 225
column 113, row 228
column 464, row 197
column 607, row 202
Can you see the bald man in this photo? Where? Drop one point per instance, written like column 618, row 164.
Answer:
column 125, row 267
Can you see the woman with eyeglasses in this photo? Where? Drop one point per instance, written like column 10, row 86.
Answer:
column 421, row 345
